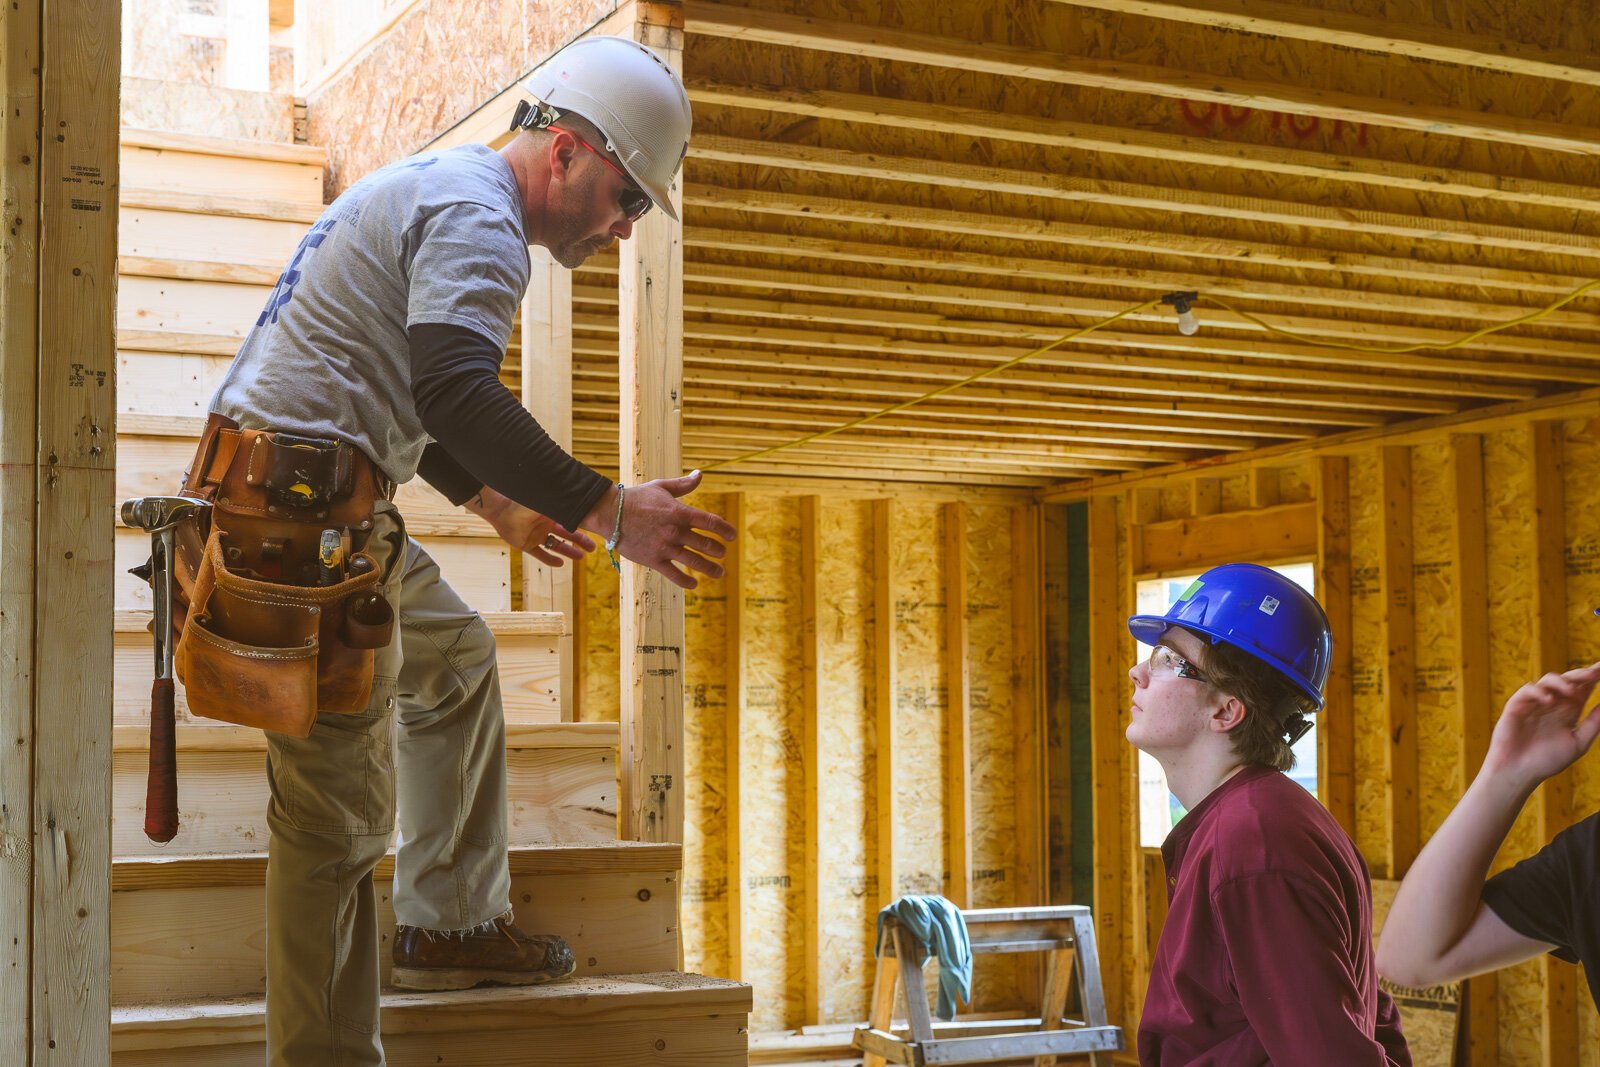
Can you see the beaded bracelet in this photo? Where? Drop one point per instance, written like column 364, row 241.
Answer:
column 616, row 531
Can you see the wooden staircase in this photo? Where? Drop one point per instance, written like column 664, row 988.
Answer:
column 206, row 225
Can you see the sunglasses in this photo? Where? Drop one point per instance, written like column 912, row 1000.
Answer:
column 1165, row 661
column 631, row 199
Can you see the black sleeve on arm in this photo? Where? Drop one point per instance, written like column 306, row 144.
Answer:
column 439, row 469
column 455, row 381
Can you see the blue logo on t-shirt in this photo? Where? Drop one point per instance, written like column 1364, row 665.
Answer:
column 283, row 290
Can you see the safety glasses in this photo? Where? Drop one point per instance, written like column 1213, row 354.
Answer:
column 631, row 199
column 1165, row 661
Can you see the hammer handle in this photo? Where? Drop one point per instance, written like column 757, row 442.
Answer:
column 161, row 790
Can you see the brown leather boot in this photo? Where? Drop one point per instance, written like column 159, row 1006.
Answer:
column 495, row 953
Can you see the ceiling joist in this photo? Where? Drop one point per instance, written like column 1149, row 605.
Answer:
column 879, row 42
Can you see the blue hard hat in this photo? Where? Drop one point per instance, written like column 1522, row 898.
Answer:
column 1258, row 611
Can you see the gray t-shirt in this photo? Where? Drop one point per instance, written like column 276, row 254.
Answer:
column 436, row 238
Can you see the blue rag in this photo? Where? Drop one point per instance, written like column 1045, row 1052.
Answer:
column 938, row 926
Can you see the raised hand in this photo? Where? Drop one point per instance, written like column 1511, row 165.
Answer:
column 663, row 533
column 528, row 531
column 1543, row 729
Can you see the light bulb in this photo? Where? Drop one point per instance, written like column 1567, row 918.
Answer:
column 1188, row 325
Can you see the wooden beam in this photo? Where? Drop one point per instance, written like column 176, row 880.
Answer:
column 1264, row 486
column 1027, row 721
column 1304, row 22
column 1399, row 667
column 1336, row 755
column 1205, row 496
column 994, row 227
column 958, row 709
column 1010, row 61
column 952, row 119
column 1481, row 420
column 1551, row 648
column 1057, row 702
column 20, row 140
column 735, row 644
column 546, row 387
column 1185, row 545
column 76, row 469
column 1177, row 199
column 885, row 696
column 650, row 295
column 813, row 749
column 1481, row 1022
column 1111, row 817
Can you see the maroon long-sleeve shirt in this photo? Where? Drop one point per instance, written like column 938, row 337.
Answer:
column 1266, row 955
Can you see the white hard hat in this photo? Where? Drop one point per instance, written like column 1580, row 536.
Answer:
column 630, row 94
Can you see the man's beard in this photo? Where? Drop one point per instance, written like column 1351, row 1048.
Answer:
column 572, row 255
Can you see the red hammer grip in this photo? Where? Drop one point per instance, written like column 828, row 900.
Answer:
column 161, row 791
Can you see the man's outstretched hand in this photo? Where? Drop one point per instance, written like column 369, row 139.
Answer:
column 1543, row 729
column 661, row 532
column 528, row 531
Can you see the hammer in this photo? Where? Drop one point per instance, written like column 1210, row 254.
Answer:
column 161, row 515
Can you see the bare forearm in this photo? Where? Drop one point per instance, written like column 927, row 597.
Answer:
column 1439, row 898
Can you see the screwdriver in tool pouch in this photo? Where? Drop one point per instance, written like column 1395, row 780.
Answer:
column 330, row 558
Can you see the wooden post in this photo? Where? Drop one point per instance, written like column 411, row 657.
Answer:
column 1399, row 679
column 57, row 410
column 734, row 645
column 885, row 691
column 1336, row 755
column 958, row 714
column 1111, row 817
column 1027, row 727
column 1472, row 692
column 814, row 749
column 650, row 375
column 1552, row 802
column 20, row 48
column 1057, row 705
column 547, row 394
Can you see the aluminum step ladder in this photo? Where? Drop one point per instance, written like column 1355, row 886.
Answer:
column 1065, row 933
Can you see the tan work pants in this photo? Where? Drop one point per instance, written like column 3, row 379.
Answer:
column 431, row 744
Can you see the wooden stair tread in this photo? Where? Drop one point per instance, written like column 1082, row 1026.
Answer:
column 247, row 868
column 596, row 1000
column 226, row 738
column 501, row 623
column 244, row 207
column 232, row 147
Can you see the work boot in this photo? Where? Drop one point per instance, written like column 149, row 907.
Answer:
column 493, row 953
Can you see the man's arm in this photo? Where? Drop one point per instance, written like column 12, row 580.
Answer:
column 1438, row 929
column 466, row 409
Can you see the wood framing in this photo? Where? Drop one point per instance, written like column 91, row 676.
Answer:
column 734, row 653
column 546, row 331
column 20, row 40
column 57, row 425
column 1552, row 802
column 958, row 709
column 650, row 293
column 1111, row 816
column 814, row 748
column 1336, row 766
column 1307, row 23
column 885, row 699
column 1399, row 667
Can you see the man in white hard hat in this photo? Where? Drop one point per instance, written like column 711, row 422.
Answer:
column 385, row 335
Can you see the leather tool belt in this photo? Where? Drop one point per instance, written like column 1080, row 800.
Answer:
column 275, row 626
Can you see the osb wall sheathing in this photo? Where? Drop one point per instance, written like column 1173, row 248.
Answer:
column 1510, row 528
column 187, row 107
column 152, row 47
column 703, row 909
column 771, row 826
column 425, row 75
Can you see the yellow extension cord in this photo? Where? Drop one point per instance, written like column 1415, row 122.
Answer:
column 1521, row 320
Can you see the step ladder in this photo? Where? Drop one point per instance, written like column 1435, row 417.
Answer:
column 1065, row 933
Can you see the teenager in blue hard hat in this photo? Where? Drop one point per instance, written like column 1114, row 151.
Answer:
column 1448, row 922
column 1266, row 956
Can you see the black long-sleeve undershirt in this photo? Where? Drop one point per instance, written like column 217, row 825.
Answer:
column 483, row 436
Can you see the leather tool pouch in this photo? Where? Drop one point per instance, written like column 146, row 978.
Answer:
column 263, row 643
